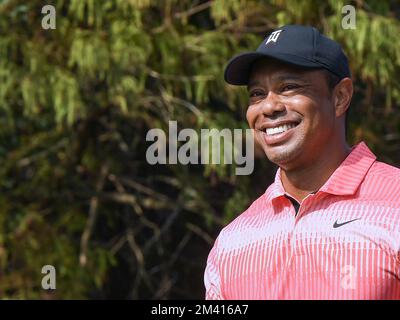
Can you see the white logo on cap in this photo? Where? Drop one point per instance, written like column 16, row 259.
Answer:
column 273, row 36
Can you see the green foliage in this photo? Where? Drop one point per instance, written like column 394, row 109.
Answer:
column 76, row 104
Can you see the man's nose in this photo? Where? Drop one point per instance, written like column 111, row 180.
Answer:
column 272, row 105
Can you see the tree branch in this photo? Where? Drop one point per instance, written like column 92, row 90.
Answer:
column 94, row 203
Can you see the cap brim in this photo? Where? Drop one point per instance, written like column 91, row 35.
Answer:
column 238, row 68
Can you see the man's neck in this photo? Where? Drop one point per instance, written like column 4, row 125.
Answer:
column 302, row 181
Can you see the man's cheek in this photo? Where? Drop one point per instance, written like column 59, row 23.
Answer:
column 258, row 138
column 251, row 118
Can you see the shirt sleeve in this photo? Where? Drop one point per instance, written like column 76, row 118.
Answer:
column 212, row 278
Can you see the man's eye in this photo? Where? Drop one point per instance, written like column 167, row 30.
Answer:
column 255, row 94
column 288, row 87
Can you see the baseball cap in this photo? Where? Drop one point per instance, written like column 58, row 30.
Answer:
column 298, row 45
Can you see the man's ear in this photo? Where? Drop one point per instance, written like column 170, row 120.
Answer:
column 343, row 93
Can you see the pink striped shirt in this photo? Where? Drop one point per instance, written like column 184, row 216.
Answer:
column 344, row 242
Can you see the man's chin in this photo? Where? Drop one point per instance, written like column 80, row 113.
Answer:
column 282, row 156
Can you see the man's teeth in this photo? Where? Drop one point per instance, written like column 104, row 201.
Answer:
column 280, row 129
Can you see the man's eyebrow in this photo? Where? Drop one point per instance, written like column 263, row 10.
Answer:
column 281, row 77
column 253, row 84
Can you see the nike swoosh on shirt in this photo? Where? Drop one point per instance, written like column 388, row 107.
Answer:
column 337, row 225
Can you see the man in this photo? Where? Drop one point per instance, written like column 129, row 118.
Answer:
column 329, row 225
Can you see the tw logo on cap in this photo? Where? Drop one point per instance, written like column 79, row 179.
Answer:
column 273, row 36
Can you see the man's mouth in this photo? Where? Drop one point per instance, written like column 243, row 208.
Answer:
column 278, row 133
column 279, row 129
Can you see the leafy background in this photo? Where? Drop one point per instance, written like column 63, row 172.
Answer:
column 76, row 104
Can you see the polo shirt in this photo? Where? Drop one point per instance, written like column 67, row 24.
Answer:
column 343, row 243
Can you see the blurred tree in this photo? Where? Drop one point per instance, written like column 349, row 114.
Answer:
column 76, row 104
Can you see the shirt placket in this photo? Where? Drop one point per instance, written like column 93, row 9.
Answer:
column 303, row 208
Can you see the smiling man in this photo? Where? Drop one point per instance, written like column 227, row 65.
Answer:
column 329, row 225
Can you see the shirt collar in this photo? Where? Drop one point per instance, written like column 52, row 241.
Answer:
column 345, row 180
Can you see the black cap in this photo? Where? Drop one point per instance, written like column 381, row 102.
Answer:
column 298, row 45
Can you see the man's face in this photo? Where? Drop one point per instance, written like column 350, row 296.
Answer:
column 291, row 111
